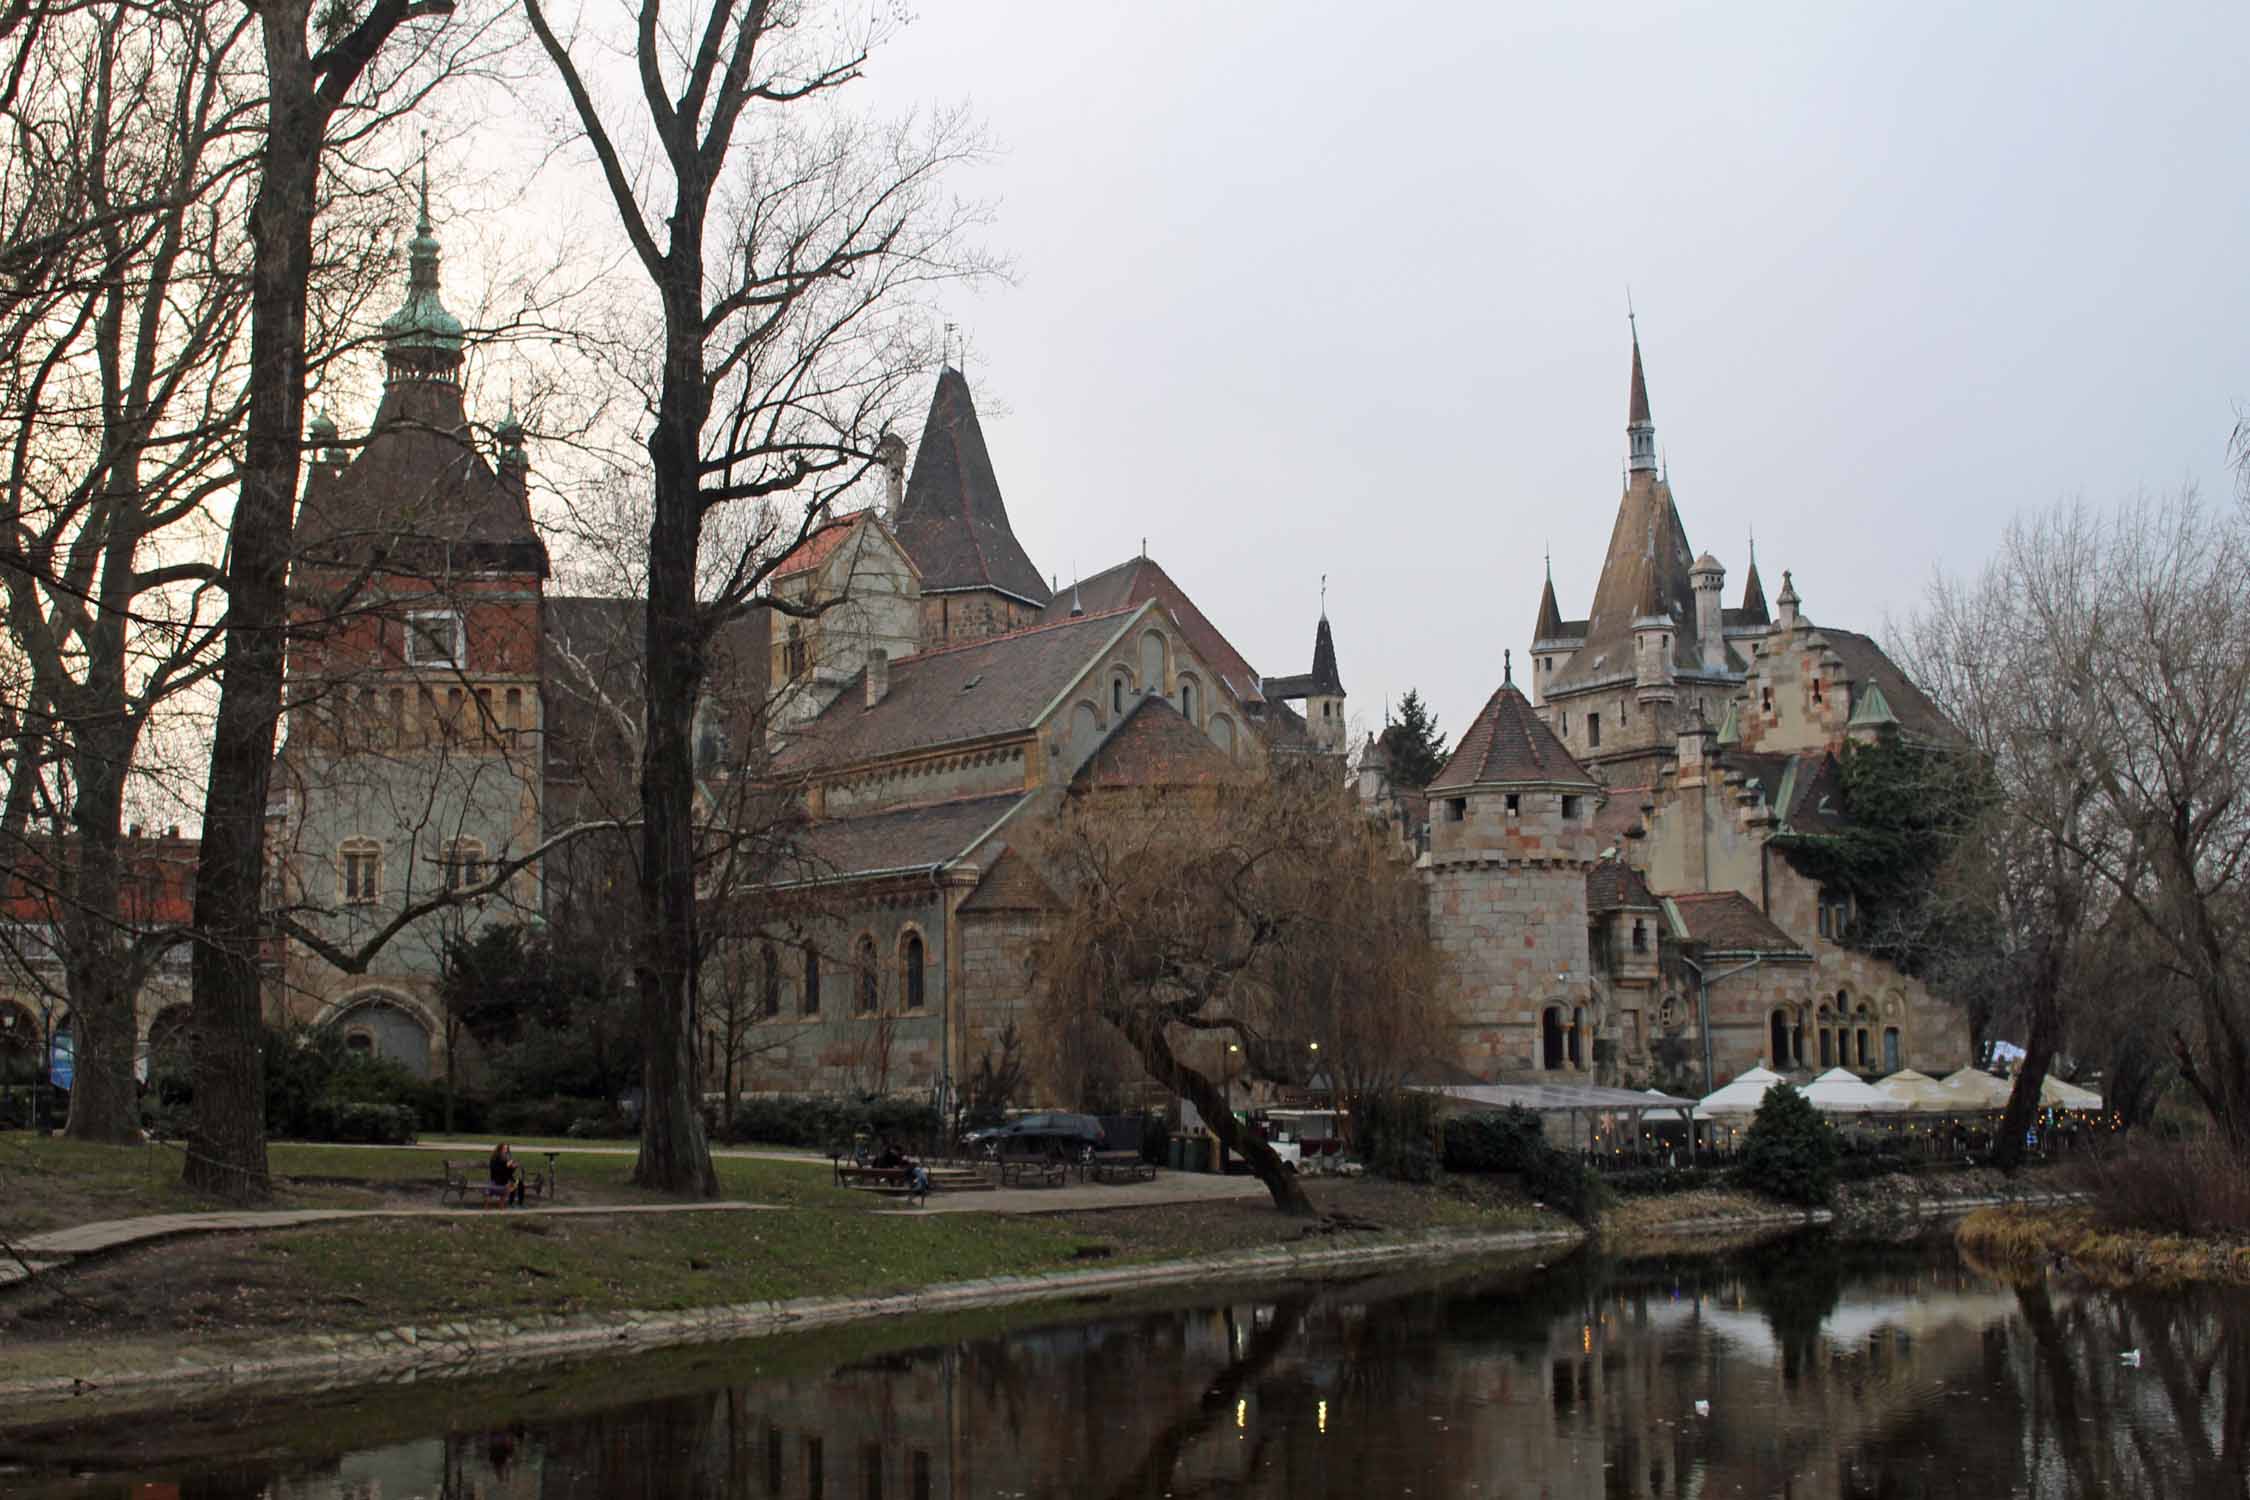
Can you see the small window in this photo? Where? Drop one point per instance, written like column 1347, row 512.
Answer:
column 363, row 871
column 1823, row 919
column 797, row 655
column 1765, row 699
column 1640, row 937
column 1891, row 1063
column 1456, row 809
column 463, row 864
column 1328, row 710
column 1570, row 809
column 1551, row 1038
column 433, row 638
column 1816, row 690
column 1514, row 803
column 1187, row 701
column 360, row 1043
column 1593, row 729
column 910, row 967
column 812, row 980
column 1117, row 695
column 769, row 981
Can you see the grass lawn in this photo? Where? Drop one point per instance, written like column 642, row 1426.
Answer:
column 50, row 1184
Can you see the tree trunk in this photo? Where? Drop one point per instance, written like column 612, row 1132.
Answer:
column 104, row 1105
column 674, row 1157
column 227, row 1135
column 2023, row 1103
column 1147, row 1034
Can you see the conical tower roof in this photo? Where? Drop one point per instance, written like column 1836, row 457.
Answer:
column 953, row 522
column 1550, row 626
column 1325, row 680
column 1753, row 610
column 1508, row 743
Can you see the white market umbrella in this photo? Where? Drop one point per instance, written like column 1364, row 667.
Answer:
column 1660, row 1114
column 1742, row 1096
column 1917, row 1091
column 1974, row 1088
column 1839, row 1091
column 2056, row 1094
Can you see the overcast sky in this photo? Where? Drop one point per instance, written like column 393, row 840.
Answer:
column 1336, row 288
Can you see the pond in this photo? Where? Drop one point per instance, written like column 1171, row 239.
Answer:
column 1804, row 1367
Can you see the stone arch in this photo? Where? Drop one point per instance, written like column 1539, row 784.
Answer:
column 1152, row 661
column 384, row 1023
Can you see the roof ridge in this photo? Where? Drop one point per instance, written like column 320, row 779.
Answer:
column 1012, row 635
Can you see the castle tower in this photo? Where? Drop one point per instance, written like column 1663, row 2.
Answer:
column 1324, row 703
column 975, row 578
column 412, row 759
column 1511, row 840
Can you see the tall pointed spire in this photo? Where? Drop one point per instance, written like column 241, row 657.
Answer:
column 422, row 341
column 1550, row 623
column 1640, row 431
column 1325, row 678
column 952, row 520
column 1753, row 610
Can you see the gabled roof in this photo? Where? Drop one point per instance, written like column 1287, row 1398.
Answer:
column 1013, row 883
column 999, row 685
column 820, row 544
column 1802, row 787
column 904, row 840
column 419, row 492
column 1613, row 885
column 953, row 522
column 1138, row 580
column 1727, row 922
column 1509, row 742
column 1156, row 746
column 1866, row 664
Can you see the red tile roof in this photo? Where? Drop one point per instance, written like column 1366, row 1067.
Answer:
column 819, row 544
column 1728, row 922
column 1155, row 746
column 1509, row 742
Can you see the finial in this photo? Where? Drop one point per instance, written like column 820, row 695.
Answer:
column 948, row 355
column 1753, row 545
column 1324, row 596
column 422, row 224
column 1144, row 546
column 1630, row 322
column 1550, row 552
column 1507, row 668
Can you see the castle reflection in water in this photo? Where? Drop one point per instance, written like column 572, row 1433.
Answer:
column 1823, row 1372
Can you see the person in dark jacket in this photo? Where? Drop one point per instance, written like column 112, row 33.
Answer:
column 506, row 1174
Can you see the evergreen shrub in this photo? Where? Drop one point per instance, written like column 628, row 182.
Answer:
column 1395, row 1132
column 1790, row 1153
column 1513, row 1140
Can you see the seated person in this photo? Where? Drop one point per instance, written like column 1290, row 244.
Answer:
column 506, row 1174
column 890, row 1156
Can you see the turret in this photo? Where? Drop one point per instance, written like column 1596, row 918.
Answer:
column 1640, row 431
column 1709, row 579
column 1787, row 599
column 1324, row 703
column 1653, row 629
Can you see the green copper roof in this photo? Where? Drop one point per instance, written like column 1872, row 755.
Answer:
column 1730, row 728
column 422, row 322
column 1873, row 710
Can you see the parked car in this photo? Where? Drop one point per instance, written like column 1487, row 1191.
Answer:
column 1042, row 1132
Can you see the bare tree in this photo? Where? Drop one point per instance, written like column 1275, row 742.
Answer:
column 2102, row 662
column 331, row 80
column 1192, row 917
column 783, row 247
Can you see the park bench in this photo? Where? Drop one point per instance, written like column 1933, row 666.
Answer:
column 1121, row 1166
column 1033, row 1171
column 458, row 1186
column 898, row 1181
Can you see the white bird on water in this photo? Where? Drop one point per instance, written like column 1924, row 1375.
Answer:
column 2131, row 1357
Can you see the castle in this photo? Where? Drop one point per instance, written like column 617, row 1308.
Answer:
column 1607, row 852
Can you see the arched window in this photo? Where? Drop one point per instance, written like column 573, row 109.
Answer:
column 1187, row 699
column 1222, row 734
column 1551, row 1038
column 796, row 655
column 769, row 981
column 910, row 971
column 812, row 980
column 1117, row 696
column 1152, row 662
column 863, row 964
column 1827, row 1039
column 1780, row 1039
column 1577, row 1037
column 1891, row 1050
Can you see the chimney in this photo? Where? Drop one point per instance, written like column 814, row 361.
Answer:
column 878, row 677
column 890, row 452
column 1708, row 579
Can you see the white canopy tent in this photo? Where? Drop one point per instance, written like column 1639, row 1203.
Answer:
column 1740, row 1097
column 2056, row 1094
column 1839, row 1091
column 1917, row 1091
column 1974, row 1088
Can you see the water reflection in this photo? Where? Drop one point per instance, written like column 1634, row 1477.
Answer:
column 1805, row 1368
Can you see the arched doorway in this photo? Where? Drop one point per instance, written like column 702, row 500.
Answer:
column 380, row 1025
